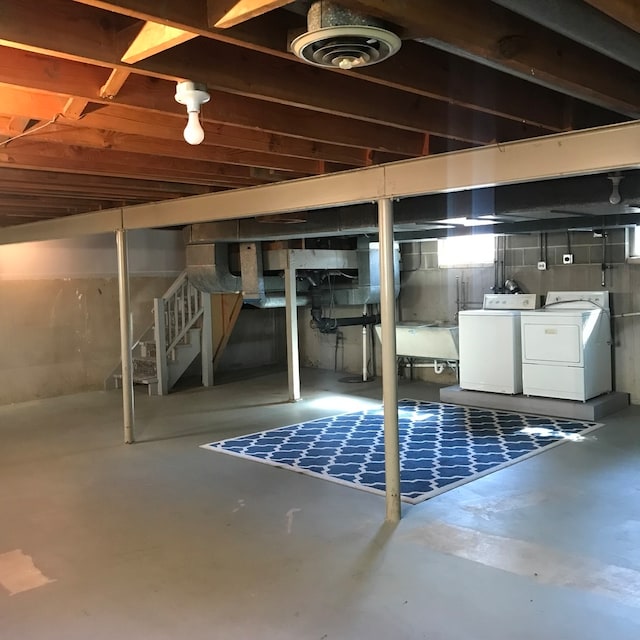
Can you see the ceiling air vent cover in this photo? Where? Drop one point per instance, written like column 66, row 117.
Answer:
column 341, row 38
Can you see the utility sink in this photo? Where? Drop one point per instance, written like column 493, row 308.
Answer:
column 425, row 340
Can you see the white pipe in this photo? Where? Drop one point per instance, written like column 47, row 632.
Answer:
column 293, row 356
column 364, row 346
column 125, row 336
column 436, row 365
column 389, row 368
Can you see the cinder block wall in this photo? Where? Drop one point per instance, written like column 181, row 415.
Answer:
column 430, row 293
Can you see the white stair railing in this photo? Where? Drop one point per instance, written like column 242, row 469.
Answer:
column 176, row 313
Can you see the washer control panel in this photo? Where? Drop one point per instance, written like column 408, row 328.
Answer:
column 510, row 301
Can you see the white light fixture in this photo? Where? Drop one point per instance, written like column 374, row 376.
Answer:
column 192, row 95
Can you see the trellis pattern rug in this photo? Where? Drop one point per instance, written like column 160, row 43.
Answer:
column 441, row 446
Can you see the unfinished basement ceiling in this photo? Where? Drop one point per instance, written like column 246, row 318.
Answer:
column 88, row 119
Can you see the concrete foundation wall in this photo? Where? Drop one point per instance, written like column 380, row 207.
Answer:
column 59, row 313
column 63, row 336
column 430, row 293
column 59, row 322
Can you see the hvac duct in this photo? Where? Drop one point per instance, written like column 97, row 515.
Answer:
column 339, row 278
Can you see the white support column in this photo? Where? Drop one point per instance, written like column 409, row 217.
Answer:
column 207, row 341
column 389, row 367
column 293, row 356
column 160, row 338
column 365, row 336
column 125, row 336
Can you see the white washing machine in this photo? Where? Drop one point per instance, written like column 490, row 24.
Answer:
column 489, row 343
column 566, row 346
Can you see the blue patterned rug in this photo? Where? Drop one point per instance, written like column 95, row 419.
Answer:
column 441, row 446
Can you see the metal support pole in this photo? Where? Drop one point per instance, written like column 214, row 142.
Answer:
column 364, row 346
column 389, row 368
column 125, row 336
column 207, row 341
column 293, row 357
column 160, row 338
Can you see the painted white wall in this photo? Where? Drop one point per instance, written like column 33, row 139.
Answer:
column 156, row 253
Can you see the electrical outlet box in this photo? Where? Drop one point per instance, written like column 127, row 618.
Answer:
column 542, row 265
column 567, row 258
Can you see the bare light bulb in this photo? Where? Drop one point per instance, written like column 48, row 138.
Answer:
column 193, row 132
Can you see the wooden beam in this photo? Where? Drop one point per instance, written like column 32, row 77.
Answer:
column 114, row 83
column 525, row 98
column 74, row 108
column 289, row 82
column 169, row 127
column 492, row 35
column 136, row 144
column 72, row 159
column 28, row 104
column 625, row 11
column 43, row 73
column 153, row 38
column 226, row 308
column 228, row 13
column 57, row 203
column 165, row 127
column 17, row 124
column 47, row 182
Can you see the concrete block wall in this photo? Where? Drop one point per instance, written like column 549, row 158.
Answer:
column 430, row 293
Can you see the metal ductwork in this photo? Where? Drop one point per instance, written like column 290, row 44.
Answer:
column 339, row 278
column 340, row 38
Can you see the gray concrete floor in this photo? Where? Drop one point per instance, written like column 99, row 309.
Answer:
column 163, row 539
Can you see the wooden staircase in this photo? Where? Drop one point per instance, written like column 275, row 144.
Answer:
column 182, row 325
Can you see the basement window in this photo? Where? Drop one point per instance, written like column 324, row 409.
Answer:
column 633, row 244
column 467, row 251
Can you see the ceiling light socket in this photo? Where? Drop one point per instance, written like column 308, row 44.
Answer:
column 192, row 95
column 542, row 265
column 567, row 258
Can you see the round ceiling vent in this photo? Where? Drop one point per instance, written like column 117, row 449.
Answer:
column 346, row 47
column 341, row 38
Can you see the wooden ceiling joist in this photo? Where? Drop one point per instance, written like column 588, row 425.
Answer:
column 228, row 13
column 42, row 73
column 283, row 81
column 492, row 35
column 153, row 38
column 113, row 141
column 73, row 159
column 479, row 30
column 626, row 12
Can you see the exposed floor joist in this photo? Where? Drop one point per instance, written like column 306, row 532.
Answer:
column 577, row 153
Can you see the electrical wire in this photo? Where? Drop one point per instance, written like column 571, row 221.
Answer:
column 32, row 130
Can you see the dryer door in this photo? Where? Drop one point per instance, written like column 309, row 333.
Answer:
column 552, row 340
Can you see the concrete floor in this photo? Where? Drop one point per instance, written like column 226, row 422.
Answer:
column 164, row 540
